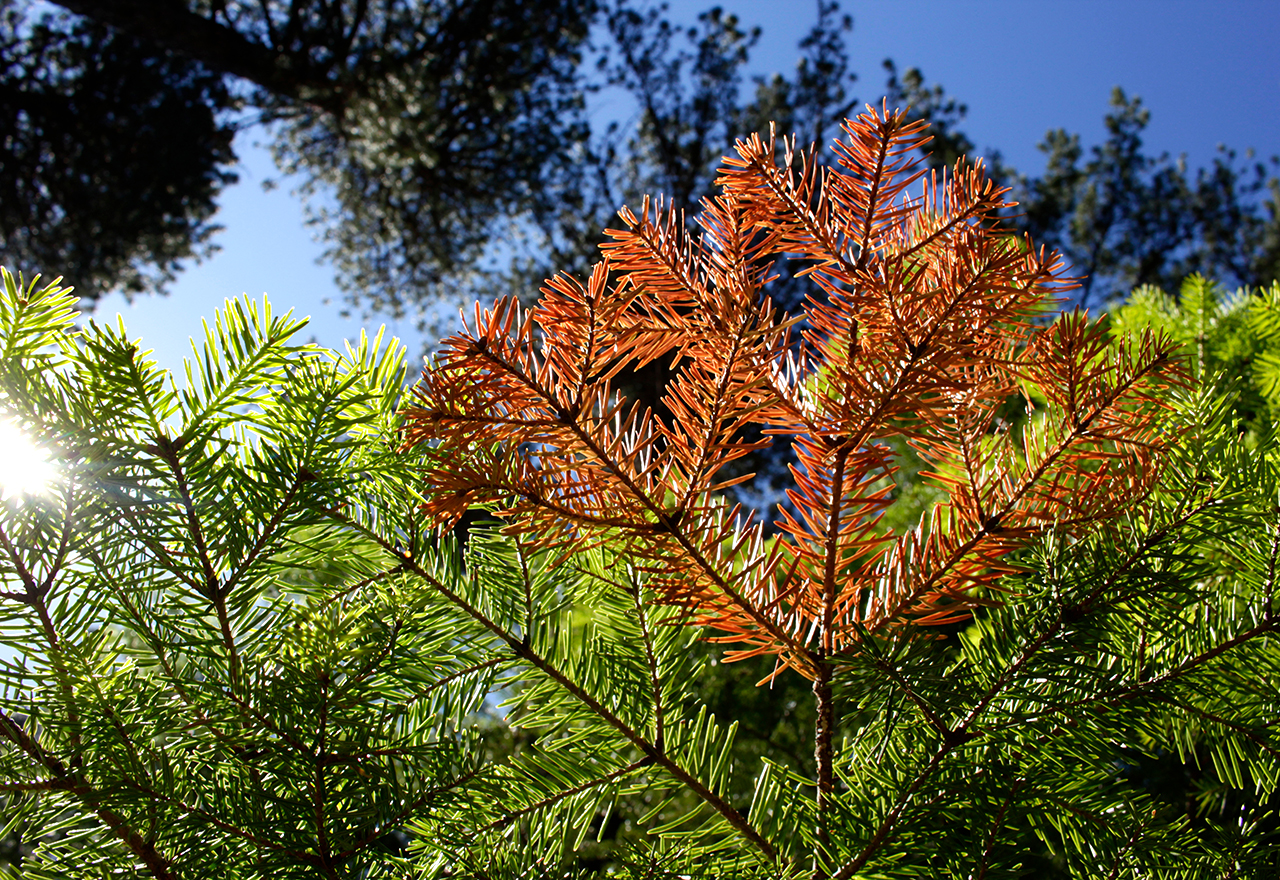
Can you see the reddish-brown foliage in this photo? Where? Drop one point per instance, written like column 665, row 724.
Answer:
column 921, row 324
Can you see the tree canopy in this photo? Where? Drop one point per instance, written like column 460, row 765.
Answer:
column 425, row 121
column 1127, row 219
column 112, row 154
column 446, row 145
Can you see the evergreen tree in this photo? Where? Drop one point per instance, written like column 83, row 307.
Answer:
column 90, row 179
column 1127, row 219
column 426, row 122
column 238, row 644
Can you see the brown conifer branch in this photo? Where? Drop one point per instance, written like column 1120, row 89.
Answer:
column 672, row 527
column 824, row 724
column 1001, row 518
column 923, row 334
column 878, row 174
column 756, row 156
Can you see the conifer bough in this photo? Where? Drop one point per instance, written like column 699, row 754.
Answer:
column 238, row 640
column 921, row 326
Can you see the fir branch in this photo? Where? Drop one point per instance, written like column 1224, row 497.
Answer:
column 143, row 535
column 288, row 727
column 551, row 800
column 997, row 520
column 525, row 652
column 319, row 788
column 1118, row 862
column 20, row 566
column 963, row 732
column 759, row 157
column 655, row 675
column 890, row 819
column 411, row 808
column 269, row 532
column 167, row 450
column 64, row 541
column 72, row 782
column 1067, row 613
column 653, row 506
column 989, row 844
column 58, row 658
column 229, row 827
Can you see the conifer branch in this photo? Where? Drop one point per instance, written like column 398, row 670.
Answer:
column 890, row 820
column 964, row 732
column 32, row 588
column 1066, row 613
column 655, row 675
column 161, row 553
column 64, row 540
column 619, row 471
column 526, row 653
column 168, row 451
column 988, row 845
column 58, row 659
column 269, row 531
column 319, row 786
column 222, row 824
column 550, row 800
column 1118, row 862
column 73, row 782
column 213, row 693
column 921, row 328
column 410, row 809
column 794, row 200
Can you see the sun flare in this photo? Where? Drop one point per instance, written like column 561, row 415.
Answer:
column 25, row 468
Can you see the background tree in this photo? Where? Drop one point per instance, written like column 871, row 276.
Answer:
column 427, row 122
column 1126, row 219
column 444, row 147
column 90, row 179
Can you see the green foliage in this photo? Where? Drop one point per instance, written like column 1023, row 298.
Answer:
column 229, row 649
column 209, row 658
column 1233, row 340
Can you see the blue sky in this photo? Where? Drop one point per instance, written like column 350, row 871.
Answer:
column 1208, row 71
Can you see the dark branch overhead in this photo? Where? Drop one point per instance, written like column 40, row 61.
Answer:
column 175, row 27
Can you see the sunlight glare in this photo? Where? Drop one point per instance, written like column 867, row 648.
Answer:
column 25, row 469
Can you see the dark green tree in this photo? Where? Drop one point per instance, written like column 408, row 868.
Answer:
column 1125, row 218
column 443, row 145
column 426, row 122
column 432, row 136
column 691, row 97
column 111, row 156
